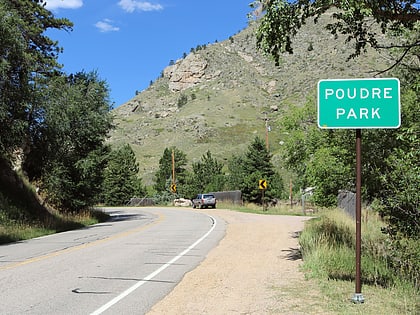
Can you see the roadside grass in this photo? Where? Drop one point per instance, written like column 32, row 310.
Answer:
column 20, row 231
column 400, row 298
column 328, row 296
column 12, row 230
column 328, row 249
column 23, row 216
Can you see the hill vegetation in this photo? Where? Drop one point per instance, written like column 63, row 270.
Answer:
column 239, row 91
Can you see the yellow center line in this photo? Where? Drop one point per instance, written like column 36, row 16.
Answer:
column 83, row 246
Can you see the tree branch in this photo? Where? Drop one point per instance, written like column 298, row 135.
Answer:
column 399, row 60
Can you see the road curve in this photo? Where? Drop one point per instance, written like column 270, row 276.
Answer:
column 123, row 266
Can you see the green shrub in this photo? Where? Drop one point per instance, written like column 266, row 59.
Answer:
column 182, row 100
column 328, row 249
column 404, row 257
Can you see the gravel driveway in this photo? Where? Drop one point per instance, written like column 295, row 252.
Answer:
column 253, row 270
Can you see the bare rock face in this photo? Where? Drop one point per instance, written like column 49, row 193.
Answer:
column 186, row 73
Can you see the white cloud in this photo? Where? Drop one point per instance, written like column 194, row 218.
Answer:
column 63, row 4
column 132, row 5
column 106, row 26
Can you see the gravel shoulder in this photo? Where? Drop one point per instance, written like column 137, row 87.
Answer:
column 253, row 270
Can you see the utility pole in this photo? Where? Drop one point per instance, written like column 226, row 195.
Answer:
column 173, row 167
column 267, row 129
column 173, row 185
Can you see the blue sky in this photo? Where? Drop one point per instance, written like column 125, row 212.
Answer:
column 130, row 42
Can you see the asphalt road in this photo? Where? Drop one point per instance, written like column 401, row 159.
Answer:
column 123, row 266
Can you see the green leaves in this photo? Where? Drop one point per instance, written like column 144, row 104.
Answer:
column 207, row 175
column 282, row 19
column 279, row 24
column 67, row 140
column 328, row 173
column 121, row 181
column 26, row 55
column 400, row 194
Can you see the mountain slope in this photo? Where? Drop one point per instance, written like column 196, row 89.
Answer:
column 218, row 97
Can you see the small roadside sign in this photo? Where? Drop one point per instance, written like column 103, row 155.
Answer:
column 262, row 184
column 173, row 188
column 359, row 103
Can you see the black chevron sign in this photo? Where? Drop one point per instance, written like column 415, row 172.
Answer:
column 262, row 184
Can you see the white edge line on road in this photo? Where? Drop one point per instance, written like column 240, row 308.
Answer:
column 153, row 274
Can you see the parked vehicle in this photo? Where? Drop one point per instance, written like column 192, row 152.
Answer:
column 204, row 201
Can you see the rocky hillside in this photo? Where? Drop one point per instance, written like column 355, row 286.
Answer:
column 218, row 97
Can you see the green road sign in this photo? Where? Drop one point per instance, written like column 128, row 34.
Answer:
column 359, row 103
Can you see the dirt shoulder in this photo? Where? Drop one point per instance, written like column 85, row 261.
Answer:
column 253, row 270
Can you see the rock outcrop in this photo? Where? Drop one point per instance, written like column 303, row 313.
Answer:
column 186, row 72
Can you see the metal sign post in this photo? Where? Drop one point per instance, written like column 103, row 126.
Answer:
column 358, row 297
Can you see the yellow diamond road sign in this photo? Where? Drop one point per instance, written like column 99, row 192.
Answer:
column 262, row 184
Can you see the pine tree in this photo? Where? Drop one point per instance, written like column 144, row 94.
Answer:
column 121, row 181
column 26, row 55
column 207, row 175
